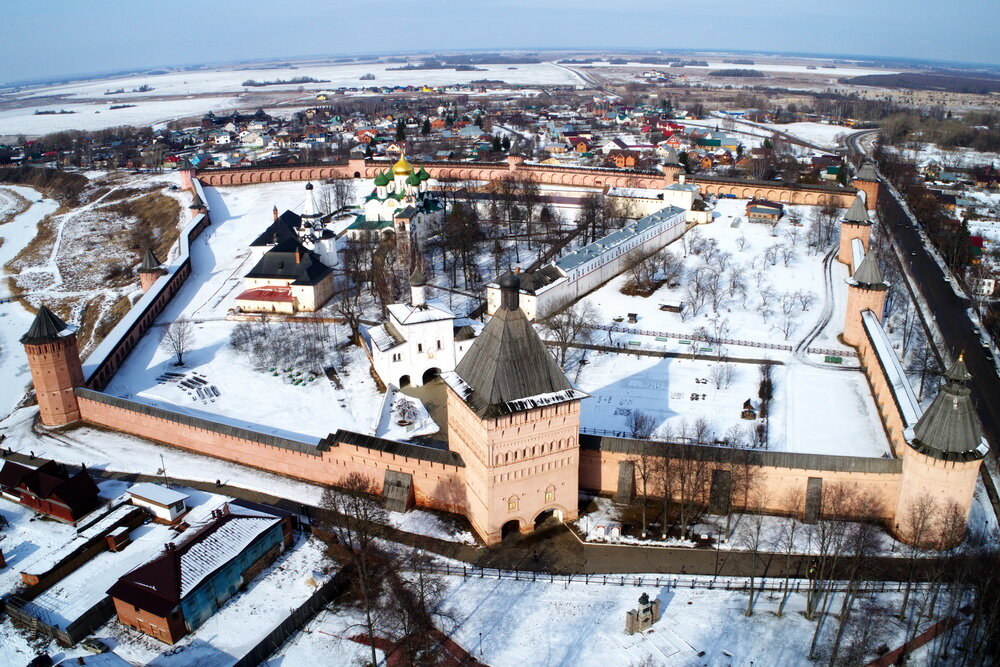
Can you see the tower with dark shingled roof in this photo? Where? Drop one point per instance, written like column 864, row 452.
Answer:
column 50, row 345
column 941, row 465
column 149, row 270
column 854, row 225
column 866, row 290
column 514, row 418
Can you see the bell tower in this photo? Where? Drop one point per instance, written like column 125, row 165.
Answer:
column 50, row 345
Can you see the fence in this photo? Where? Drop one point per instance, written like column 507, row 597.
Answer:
column 36, row 619
column 712, row 340
column 706, row 582
column 323, row 596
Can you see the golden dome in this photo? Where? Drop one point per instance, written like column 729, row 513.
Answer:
column 403, row 167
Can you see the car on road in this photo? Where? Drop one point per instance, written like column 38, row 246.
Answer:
column 95, row 645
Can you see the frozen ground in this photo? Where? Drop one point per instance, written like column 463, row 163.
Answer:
column 14, row 318
column 324, row 637
column 817, row 133
column 99, row 115
column 422, row 522
column 814, row 410
column 759, row 65
column 512, row 623
column 243, row 621
column 758, row 317
column 256, row 399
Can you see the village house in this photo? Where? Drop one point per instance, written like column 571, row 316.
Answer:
column 175, row 593
column 49, row 489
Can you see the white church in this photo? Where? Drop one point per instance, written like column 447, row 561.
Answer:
column 421, row 339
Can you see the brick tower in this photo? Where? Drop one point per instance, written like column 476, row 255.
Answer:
column 149, row 270
column 867, row 181
column 854, row 225
column 50, row 345
column 941, row 466
column 515, row 420
column 866, row 290
column 671, row 167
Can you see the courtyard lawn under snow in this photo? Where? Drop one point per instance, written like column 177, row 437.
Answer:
column 281, row 401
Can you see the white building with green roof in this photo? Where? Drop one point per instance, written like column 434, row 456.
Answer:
column 400, row 204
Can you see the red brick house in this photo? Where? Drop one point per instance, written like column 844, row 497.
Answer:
column 50, row 489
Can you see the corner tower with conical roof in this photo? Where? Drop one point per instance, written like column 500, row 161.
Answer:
column 941, row 465
column 866, row 290
column 515, row 419
column 867, row 181
column 149, row 270
column 50, row 345
column 854, row 225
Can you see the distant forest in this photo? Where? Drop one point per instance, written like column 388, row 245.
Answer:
column 946, row 82
column 283, row 82
column 737, row 72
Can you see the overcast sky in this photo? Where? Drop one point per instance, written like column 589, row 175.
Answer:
column 63, row 37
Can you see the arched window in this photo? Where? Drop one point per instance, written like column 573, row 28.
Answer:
column 512, row 504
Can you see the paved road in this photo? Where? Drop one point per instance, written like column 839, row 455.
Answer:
column 948, row 309
column 950, row 313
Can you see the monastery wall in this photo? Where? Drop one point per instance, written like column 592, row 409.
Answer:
column 778, row 482
column 437, row 484
column 592, row 177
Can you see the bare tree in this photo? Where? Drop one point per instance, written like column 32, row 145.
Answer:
column 571, row 325
column 359, row 517
column 640, row 424
column 177, row 339
column 752, row 539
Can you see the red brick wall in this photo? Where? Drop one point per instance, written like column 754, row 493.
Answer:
column 435, row 485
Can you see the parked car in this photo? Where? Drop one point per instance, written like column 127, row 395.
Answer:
column 95, row 645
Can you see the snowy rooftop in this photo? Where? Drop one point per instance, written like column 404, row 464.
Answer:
column 155, row 493
column 404, row 313
column 213, row 550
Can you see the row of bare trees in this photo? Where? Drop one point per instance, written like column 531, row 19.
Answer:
column 399, row 601
column 266, row 343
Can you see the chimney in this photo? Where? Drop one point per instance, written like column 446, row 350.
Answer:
column 274, row 213
column 298, row 256
column 681, row 178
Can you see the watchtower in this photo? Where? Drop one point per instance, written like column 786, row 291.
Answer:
column 854, row 225
column 515, row 420
column 941, row 466
column 866, row 290
column 50, row 345
column 150, row 270
column 867, row 181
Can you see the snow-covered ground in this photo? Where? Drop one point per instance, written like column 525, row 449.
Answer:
column 265, row 401
column 324, row 637
column 759, row 65
column 14, row 318
column 817, row 133
column 507, row 623
column 427, row 523
column 99, row 115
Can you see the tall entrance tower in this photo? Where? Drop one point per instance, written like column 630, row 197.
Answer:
column 50, row 345
column 515, row 419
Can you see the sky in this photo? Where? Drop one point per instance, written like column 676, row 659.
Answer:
column 68, row 37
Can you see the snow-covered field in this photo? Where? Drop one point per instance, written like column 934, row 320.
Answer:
column 14, row 319
column 759, row 65
column 221, row 90
column 678, row 391
column 817, row 133
column 324, row 641
column 260, row 400
column 99, row 115
column 521, row 623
